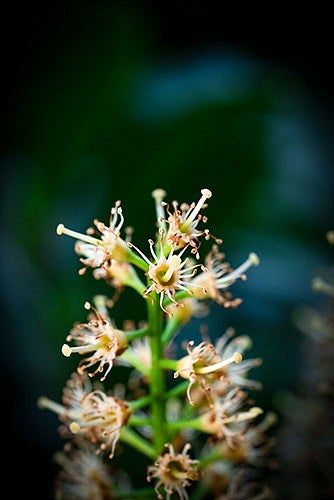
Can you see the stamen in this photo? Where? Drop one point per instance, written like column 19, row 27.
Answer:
column 101, row 304
column 174, row 262
column 245, row 415
column 67, row 350
column 98, row 314
column 236, row 358
column 131, row 245
column 253, row 260
column 61, row 229
column 269, row 420
column 75, row 427
column 186, row 448
column 320, row 285
column 206, row 193
column 44, row 402
column 159, row 195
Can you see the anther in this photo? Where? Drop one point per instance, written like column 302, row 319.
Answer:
column 255, row 411
column 66, row 350
column 254, row 259
column 60, row 229
column 159, row 194
column 206, row 193
column 42, row 402
column 330, row 237
column 237, row 357
column 74, row 427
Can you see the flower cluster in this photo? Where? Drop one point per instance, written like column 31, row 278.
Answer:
column 307, row 413
column 198, row 430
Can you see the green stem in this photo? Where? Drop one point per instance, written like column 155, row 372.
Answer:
column 136, row 334
column 168, row 364
column 195, row 423
column 140, row 403
column 183, row 294
column 133, row 258
column 170, row 329
column 157, row 381
column 137, row 285
column 139, row 421
column 178, row 390
column 130, row 437
column 135, row 362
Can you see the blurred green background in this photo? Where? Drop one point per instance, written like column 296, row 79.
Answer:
column 110, row 100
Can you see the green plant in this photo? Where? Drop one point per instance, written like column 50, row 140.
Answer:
column 197, row 430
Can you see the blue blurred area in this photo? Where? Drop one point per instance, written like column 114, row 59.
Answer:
column 101, row 115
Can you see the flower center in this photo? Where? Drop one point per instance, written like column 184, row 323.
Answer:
column 176, row 470
column 165, row 273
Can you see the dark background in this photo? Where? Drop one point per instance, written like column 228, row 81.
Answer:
column 109, row 100
column 293, row 38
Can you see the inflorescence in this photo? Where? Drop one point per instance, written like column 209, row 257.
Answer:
column 198, row 429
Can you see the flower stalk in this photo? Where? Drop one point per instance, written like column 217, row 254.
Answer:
column 157, row 387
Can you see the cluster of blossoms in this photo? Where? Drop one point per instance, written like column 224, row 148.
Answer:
column 307, row 414
column 198, row 430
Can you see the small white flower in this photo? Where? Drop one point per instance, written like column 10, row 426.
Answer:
column 226, row 420
column 181, row 224
column 98, row 337
column 218, row 276
column 167, row 274
column 97, row 251
column 174, row 472
column 90, row 413
column 216, row 368
column 83, row 474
